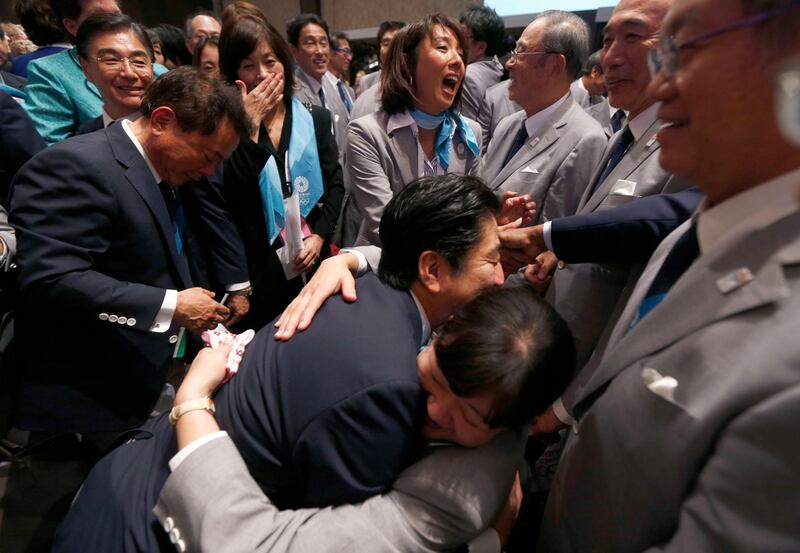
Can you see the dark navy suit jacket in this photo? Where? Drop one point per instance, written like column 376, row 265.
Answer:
column 96, row 252
column 330, row 417
column 625, row 234
column 19, row 141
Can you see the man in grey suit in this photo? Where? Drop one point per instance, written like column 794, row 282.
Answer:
column 683, row 433
column 550, row 149
column 495, row 106
column 485, row 34
column 310, row 46
column 386, row 32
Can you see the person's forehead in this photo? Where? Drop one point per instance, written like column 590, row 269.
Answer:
column 388, row 35
column 205, row 23
column 123, row 39
column 532, row 33
column 313, row 30
column 91, row 7
column 343, row 42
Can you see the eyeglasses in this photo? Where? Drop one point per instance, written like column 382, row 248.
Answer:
column 140, row 64
column 516, row 54
column 664, row 57
column 345, row 51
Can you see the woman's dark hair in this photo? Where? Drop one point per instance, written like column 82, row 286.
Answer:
column 510, row 342
column 198, row 49
column 201, row 103
column 40, row 22
column 445, row 214
column 397, row 90
column 239, row 8
column 173, row 44
column 100, row 23
column 240, row 36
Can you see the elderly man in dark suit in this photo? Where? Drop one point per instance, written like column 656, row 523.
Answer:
column 104, row 281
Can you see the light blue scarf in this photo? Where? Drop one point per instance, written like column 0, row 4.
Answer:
column 304, row 173
column 444, row 121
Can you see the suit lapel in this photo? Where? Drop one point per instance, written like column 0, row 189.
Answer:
column 636, row 156
column 139, row 176
column 405, row 150
column 700, row 297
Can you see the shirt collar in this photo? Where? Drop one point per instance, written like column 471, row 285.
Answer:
column 534, row 123
column 311, row 81
column 426, row 324
column 747, row 211
column 127, row 126
column 107, row 120
column 639, row 124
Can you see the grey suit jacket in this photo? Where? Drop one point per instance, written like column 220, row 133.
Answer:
column 444, row 500
column 687, row 441
column 554, row 167
column 600, row 113
column 382, row 159
column 368, row 81
column 479, row 76
column 333, row 103
column 587, row 294
column 367, row 102
column 496, row 105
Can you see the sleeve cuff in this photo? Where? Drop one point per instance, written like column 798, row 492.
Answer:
column 487, row 542
column 561, row 413
column 238, row 286
column 363, row 266
column 164, row 316
column 546, row 236
column 179, row 457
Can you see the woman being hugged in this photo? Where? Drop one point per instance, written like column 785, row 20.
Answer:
column 283, row 183
column 417, row 132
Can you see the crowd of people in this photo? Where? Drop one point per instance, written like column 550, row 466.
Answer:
column 539, row 300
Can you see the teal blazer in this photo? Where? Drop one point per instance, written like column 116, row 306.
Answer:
column 59, row 96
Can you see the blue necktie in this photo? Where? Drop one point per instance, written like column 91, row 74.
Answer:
column 617, row 153
column 344, row 95
column 680, row 258
column 617, row 120
column 321, row 95
column 519, row 142
column 176, row 214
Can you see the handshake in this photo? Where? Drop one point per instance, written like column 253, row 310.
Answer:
column 525, row 247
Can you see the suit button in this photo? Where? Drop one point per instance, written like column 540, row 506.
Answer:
column 169, row 524
column 122, row 320
column 174, row 535
column 103, row 316
column 112, row 318
column 131, row 322
column 180, row 546
column 561, row 265
column 173, row 338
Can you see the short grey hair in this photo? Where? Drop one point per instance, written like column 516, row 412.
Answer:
column 567, row 34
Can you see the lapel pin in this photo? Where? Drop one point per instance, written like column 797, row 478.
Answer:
column 651, row 141
column 734, row 280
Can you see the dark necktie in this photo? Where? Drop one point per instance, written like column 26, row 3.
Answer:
column 617, row 153
column 344, row 95
column 680, row 257
column 519, row 141
column 176, row 215
column 321, row 95
column 617, row 120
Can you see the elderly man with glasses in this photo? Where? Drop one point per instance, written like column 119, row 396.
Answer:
column 684, row 438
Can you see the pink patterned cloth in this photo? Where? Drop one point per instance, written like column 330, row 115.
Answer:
column 221, row 335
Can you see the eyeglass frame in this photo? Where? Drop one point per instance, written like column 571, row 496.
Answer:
column 664, row 57
column 345, row 51
column 515, row 53
column 121, row 60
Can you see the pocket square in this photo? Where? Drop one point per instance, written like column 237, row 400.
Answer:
column 624, row 188
column 533, row 170
column 663, row 386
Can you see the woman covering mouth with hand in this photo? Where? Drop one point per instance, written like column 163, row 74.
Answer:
column 416, row 133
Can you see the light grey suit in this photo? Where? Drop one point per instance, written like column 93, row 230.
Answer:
column 333, row 103
column 479, row 76
column 438, row 503
column 367, row 102
column 553, row 167
column 382, row 159
column 496, row 105
column 586, row 295
column 368, row 81
column 600, row 113
column 714, row 465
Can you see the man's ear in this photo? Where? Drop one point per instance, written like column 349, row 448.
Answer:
column 481, row 46
column 431, row 268
column 71, row 25
column 161, row 119
column 84, row 66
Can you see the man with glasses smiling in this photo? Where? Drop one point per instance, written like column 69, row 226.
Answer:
column 685, row 432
